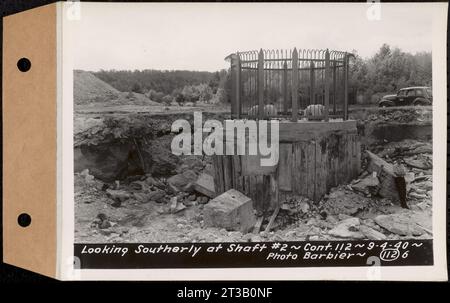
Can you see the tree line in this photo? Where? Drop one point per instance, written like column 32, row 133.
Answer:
column 167, row 86
column 389, row 70
column 385, row 72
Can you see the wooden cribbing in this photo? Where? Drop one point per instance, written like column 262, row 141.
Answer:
column 309, row 165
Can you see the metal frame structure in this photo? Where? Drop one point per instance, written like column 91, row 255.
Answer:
column 285, row 82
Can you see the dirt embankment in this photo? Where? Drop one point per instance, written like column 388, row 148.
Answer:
column 381, row 125
column 90, row 91
column 115, row 147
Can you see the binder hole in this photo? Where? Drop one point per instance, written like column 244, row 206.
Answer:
column 24, row 64
column 24, row 220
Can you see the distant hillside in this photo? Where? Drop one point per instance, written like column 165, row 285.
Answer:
column 88, row 89
column 161, row 81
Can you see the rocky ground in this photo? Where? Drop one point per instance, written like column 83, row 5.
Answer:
column 156, row 206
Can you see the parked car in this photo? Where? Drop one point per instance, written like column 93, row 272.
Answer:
column 420, row 95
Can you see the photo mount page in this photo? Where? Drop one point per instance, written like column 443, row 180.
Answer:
column 252, row 141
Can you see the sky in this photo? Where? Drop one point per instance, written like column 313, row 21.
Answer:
column 187, row 36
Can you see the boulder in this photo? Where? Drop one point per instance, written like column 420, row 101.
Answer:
column 154, row 182
column 420, row 163
column 347, row 229
column 371, row 233
column 423, row 149
column 183, row 179
column 157, row 195
column 118, row 195
column 406, row 223
column 342, row 201
column 368, row 185
column 202, row 200
column 231, row 210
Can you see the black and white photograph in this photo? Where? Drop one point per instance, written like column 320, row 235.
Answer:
column 256, row 124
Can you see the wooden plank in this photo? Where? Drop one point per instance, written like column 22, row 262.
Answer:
column 236, row 165
column 294, row 85
column 354, row 156
column 321, row 167
column 272, row 219
column 285, row 167
column 227, row 173
column 345, row 164
column 301, row 175
column 358, row 156
column 218, row 174
column 336, row 160
column 295, row 169
column 246, row 183
column 258, row 224
column 340, row 145
column 321, row 126
column 266, row 190
column 259, row 193
column 297, row 183
column 324, row 167
column 310, row 152
column 303, row 131
column 330, row 165
column 349, row 157
column 253, row 191
column 274, row 192
column 317, row 170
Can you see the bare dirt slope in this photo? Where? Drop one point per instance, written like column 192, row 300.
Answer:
column 91, row 91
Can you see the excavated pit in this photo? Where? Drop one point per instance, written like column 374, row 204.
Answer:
column 136, row 147
column 117, row 147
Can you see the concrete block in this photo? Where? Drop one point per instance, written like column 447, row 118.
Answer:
column 205, row 185
column 231, row 210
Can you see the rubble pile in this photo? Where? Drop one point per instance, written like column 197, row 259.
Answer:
column 397, row 115
column 149, row 208
column 137, row 191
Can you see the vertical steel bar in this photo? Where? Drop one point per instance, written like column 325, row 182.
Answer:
column 261, row 85
column 346, row 86
column 294, row 85
column 233, row 85
column 285, row 87
column 327, row 84
column 238, row 87
column 312, row 78
column 334, row 87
